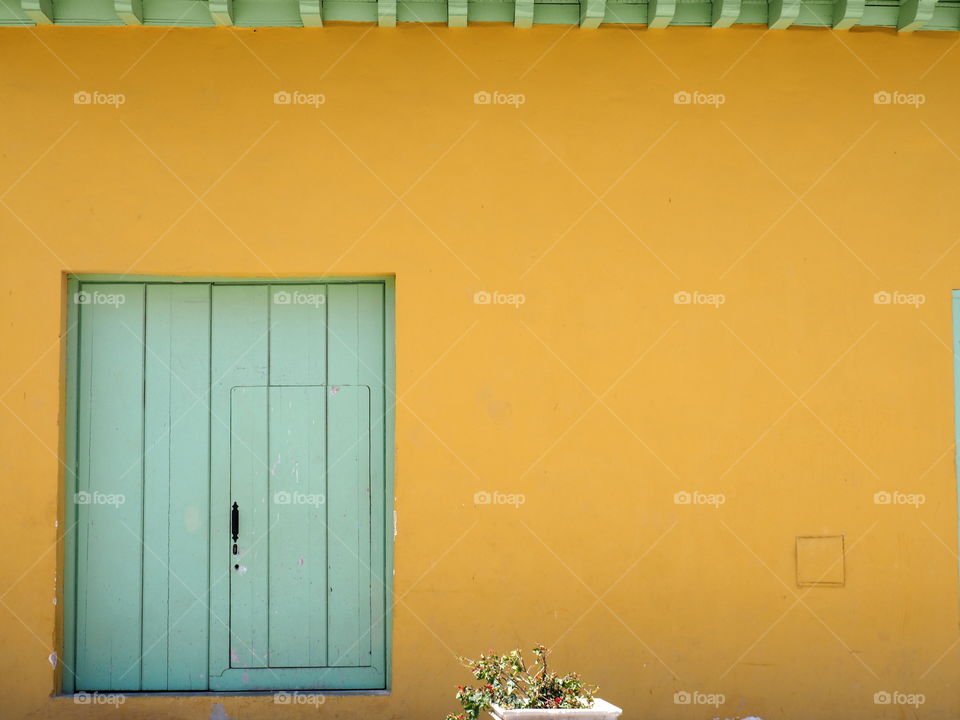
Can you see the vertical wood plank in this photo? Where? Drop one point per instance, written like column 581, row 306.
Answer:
column 248, row 485
column 298, row 329
column 345, row 555
column 355, row 358
column 176, row 488
column 239, row 349
column 348, row 482
column 298, row 552
column 109, row 494
column 372, row 374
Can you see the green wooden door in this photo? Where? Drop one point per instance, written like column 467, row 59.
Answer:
column 233, row 455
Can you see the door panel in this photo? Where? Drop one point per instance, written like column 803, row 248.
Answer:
column 348, row 515
column 306, row 604
column 191, row 397
column 278, row 587
column 109, row 487
column 356, row 546
column 176, row 488
column 298, row 540
column 250, row 550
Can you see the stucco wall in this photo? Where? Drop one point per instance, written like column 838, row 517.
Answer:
column 599, row 397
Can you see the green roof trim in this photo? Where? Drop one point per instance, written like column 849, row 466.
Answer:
column 904, row 15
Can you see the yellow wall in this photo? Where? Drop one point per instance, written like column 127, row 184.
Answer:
column 598, row 398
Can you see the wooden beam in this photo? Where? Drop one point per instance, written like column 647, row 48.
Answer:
column 311, row 13
column 725, row 13
column 847, row 14
column 40, row 11
column 456, row 13
column 592, row 12
column 523, row 14
column 387, row 13
column 782, row 13
column 660, row 13
column 221, row 11
column 129, row 11
column 915, row 14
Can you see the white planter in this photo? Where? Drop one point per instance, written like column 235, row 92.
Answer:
column 600, row 710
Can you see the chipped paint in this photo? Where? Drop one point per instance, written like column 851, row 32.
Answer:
column 217, row 712
column 53, row 660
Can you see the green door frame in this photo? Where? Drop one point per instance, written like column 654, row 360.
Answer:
column 74, row 285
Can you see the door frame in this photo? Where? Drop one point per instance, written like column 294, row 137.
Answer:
column 67, row 615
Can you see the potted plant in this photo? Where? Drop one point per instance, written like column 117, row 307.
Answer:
column 509, row 690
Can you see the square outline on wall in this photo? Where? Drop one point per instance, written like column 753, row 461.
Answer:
column 836, row 573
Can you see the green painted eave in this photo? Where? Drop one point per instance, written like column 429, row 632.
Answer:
column 905, row 15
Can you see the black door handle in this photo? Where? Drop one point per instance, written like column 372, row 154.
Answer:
column 235, row 525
